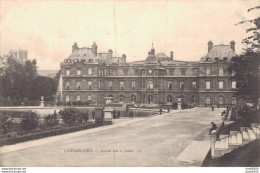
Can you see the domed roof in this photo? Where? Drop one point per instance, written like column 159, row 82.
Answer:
column 151, row 59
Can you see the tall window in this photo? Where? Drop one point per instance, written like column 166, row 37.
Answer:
column 234, row 100
column 78, row 85
column 99, row 84
column 183, row 72
column 78, row 72
column 207, row 100
column 221, row 100
column 169, row 85
column 194, row 86
column 207, row 70
column 195, row 71
column 89, row 97
column 89, row 84
column 150, row 99
column 110, row 85
column 133, row 85
column 208, row 85
column 133, row 98
column 67, row 72
column 121, row 98
column 193, row 99
column 220, row 85
column 149, row 85
column 90, row 71
column 78, row 97
column 121, row 85
column 234, row 85
column 67, row 98
column 220, row 71
column 181, row 85
column 67, row 85
column 169, row 98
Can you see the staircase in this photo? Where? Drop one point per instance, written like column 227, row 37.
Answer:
column 235, row 139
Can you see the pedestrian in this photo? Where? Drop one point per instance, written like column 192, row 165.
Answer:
column 114, row 114
column 131, row 114
column 93, row 114
column 160, row 111
column 212, row 108
column 214, row 127
column 118, row 114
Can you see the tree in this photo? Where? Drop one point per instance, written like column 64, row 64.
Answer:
column 245, row 71
column 51, row 120
column 5, row 122
column 30, row 121
column 253, row 41
column 245, row 68
column 43, row 86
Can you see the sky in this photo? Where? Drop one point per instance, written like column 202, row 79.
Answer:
column 48, row 29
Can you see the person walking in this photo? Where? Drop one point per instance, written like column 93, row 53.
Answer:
column 118, row 114
column 93, row 114
column 160, row 111
column 114, row 114
column 212, row 108
column 131, row 114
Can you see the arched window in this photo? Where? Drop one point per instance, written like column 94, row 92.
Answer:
column 207, row 100
column 133, row 98
column 220, row 100
column 67, row 98
column 169, row 98
column 121, row 98
column 150, row 99
column 78, row 97
column 193, row 99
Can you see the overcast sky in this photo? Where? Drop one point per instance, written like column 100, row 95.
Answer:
column 48, row 29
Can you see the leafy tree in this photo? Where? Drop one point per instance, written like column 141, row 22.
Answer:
column 5, row 122
column 245, row 71
column 30, row 121
column 70, row 115
column 245, row 68
column 43, row 86
column 253, row 41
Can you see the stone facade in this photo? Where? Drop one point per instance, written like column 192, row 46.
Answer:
column 89, row 76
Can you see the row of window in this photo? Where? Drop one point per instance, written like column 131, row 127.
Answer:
column 221, row 85
column 220, row 100
column 149, row 85
column 183, row 71
column 220, row 71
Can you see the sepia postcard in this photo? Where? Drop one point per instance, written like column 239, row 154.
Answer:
column 108, row 83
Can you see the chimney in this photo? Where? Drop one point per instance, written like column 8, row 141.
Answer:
column 210, row 44
column 110, row 51
column 124, row 58
column 74, row 47
column 172, row 53
column 94, row 48
column 232, row 45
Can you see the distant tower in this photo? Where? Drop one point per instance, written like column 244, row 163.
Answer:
column 210, row 44
column 94, row 48
column 152, row 50
column 110, row 51
column 172, row 53
column 124, row 58
column 74, row 47
column 232, row 45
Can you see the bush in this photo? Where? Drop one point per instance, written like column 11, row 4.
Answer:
column 5, row 122
column 184, row 105
column 30, row 121
column 174, row 105
column 73, row 116
column 51, row 120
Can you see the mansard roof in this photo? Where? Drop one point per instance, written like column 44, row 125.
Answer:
column 219, row 52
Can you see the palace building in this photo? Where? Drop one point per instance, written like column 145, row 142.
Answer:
column 92, row 77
